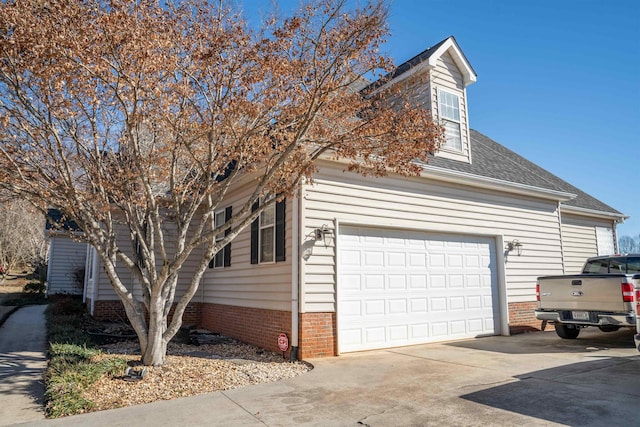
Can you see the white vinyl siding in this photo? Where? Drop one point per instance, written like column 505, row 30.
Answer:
column 105, row 290
column 446, row 77
column 66, row 260
column 419, row 204
column 579, row 240
column 266, row 286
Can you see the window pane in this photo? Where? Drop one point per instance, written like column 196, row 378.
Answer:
column 598, row 266
column 266, row 244
column 633, row 266
column 452, row 134
column 617, row 266
column 267, row 217
column 219, row 259
column 219, row 220
column 449, row 106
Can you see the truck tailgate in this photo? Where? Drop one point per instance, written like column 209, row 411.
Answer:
column 583, row 292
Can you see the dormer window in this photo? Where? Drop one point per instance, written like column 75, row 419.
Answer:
column 449, row 104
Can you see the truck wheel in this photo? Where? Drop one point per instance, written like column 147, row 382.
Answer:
column 568, row 332
column 609, row 328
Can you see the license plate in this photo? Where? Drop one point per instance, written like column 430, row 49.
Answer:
column 580, row 315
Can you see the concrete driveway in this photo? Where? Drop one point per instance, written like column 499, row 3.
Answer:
column 531, row 379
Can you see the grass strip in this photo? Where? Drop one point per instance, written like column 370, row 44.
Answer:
column 71, row 369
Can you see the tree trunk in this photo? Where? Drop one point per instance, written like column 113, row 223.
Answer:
column 155, row 352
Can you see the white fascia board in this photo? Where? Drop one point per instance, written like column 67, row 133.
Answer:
column 494, row 184
column 592, row 212
column 431, row 63
column 459, row 59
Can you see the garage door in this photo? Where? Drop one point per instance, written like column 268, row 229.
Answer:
column 404, row 287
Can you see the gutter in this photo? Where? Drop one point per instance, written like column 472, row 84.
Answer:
column 493, row 184
column 618, row 217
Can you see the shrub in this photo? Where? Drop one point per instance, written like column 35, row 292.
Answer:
column 34, row 288
column 67, row 305
column 78, row 277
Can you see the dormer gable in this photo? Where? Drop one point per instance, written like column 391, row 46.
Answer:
column 443, row 91
column 428, row 60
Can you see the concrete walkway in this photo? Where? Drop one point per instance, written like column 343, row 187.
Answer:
column 23, row 346
column 534, row 379
column 5, row 312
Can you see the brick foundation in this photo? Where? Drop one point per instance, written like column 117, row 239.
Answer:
column 108, row 310
column 318, row 334
column 318, row 331
column 114, row 310
column 251, row 325
column 521, row 317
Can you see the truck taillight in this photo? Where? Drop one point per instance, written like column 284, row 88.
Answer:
column 638, row 305
column 627, row 292
column 537, row 291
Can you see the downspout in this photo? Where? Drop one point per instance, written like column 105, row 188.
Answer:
column 87, row 273
column 96, row 282
column 616, row 249
column 561, row 238
column 295, row 275
column 49, row 264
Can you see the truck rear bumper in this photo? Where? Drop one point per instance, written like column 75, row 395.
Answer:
column 595, row 318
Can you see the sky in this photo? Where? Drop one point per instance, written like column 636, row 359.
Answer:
column 558, row 82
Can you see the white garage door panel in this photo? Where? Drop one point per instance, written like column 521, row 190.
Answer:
column 400, row 287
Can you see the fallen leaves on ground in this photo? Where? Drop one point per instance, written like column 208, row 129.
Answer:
column 188, row 371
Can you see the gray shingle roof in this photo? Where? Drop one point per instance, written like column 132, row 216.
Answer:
column 56, row 220
column 493, row 160
column 411, row 63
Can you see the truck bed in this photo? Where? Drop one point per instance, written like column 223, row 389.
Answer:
column 591, row 292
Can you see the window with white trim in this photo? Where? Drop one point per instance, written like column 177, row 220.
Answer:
column 266, row 234
column 268, row 237
column 223, row 257
column 219, row 220
column 449, row 104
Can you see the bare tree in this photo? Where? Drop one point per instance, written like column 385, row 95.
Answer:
column 629, row 245
column 22, row 239
column 136, row 118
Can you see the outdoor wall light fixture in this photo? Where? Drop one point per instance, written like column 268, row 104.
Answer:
column 514, row 245
column 321, row 233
